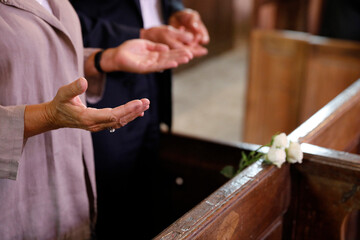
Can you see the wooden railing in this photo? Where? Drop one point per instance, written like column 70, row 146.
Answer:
column 318, row 199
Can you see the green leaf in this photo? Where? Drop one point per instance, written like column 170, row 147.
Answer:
column 267, row 162
column 245, row 161
column 228, row 171
column 243, row 156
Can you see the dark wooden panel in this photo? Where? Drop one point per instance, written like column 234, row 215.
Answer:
column 326, row 186
column 217, row 15
column 296, row 15
column 250, row 215
column 318, row 199
column 325, row 190
column 198, row 164
column 227, row 212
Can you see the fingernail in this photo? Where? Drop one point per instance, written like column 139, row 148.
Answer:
column 78, row 84
column 146, row 102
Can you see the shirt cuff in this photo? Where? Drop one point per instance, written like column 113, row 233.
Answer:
column 95, row 97
column 11, row 140
column 96, row 85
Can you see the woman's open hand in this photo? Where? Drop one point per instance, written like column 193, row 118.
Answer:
column 67, row 110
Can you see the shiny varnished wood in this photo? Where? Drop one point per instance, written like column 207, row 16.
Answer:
column 325, row 199
column 296, row 15
column 325, row 191
column 275, row 76
column 318, row 199
column 235, row 209
column 291, row 76
column 337, row 124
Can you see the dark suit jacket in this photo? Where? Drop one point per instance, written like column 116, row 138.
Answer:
column 341, row 19
column 126, row 159
column 108, row 23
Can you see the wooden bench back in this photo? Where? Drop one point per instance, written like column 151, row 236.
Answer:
column 291, row 76
column 325, row 199
column 318, row 199
column 324, row 196
column 336, row 125
column 297, row 15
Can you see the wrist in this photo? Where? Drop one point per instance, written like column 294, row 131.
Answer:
column 38, row 118
column 89, row 66
column 108, row 60
column 97, row 61
column 143, row 33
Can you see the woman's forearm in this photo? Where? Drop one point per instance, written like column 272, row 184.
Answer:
column 36, row 120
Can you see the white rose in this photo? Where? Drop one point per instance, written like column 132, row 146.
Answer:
column 294, row 153
column 280, row 141
column 276, row 155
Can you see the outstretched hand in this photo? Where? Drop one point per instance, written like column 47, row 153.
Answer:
column 175, row 38
column 67, row 110
column 190, row 21
column 143, row 56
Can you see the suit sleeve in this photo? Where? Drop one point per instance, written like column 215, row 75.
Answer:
column 171, row 7
column 113, row 34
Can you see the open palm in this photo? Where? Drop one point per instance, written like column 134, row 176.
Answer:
column 143, row 56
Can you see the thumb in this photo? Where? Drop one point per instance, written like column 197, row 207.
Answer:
column 185, row 37
column 160, row 47
column 73, row 89
column 181, row 34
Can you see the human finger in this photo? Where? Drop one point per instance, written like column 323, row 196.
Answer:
column 192, row 21
column 131, row 110
column 73, row 89
column 197, row 27
column 99, row 119
column 95, row 119
column 164, row 60
column 173, row 58
column 160, row 47
column 198, row 50
column 203, row 33
column 185, row 37
column 181, row 56
column 173, row 42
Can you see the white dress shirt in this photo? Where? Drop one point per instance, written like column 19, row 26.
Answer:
column 151, row 13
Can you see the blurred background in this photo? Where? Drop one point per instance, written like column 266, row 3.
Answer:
column 271, row 65
column 209, row 93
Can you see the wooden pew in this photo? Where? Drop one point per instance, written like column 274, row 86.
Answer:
column 222, row 209
column 217, row 16
column 291, row 76
column 296, row 15
column 336, row 125
column 325, row 200
column 318, row 199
